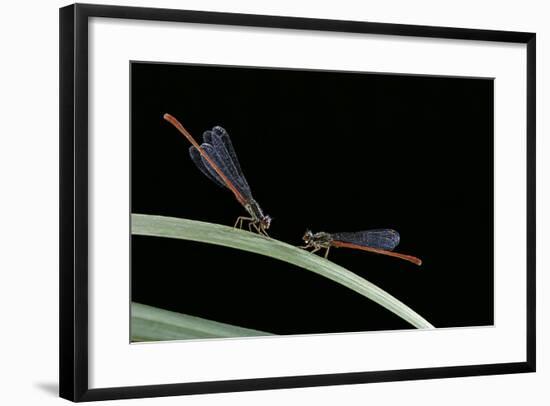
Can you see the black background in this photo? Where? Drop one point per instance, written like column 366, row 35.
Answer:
column 329, row 151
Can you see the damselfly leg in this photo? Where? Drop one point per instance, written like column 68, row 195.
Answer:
column 252, row 223
column 240, row 219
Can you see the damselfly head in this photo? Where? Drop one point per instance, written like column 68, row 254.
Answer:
column 308, row 236
column 265, row 222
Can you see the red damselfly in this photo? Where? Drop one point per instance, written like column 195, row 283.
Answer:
column 217, row 160
column 380, row 241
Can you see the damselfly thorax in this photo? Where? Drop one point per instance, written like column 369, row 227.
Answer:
column 257, row 220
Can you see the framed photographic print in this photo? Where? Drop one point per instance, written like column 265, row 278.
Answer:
column 257, row 202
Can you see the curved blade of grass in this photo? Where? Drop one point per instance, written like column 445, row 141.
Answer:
column 153, row 324
column 170, row 227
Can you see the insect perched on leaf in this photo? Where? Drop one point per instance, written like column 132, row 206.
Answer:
column 380, row 241
column 217, row 160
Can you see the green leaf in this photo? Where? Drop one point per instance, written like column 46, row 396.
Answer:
column 184, row 229
column 152, row 324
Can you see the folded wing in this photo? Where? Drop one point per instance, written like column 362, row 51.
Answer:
column 219, row 148
column 384, row 238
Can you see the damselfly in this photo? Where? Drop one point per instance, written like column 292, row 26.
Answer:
column 381, row 241
column 217, row 160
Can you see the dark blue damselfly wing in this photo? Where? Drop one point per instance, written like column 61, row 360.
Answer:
column 384, row 238
column 197, row 159
column 219, row 148
column 219, row 138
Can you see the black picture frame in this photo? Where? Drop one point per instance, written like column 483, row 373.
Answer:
column 73, row 253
